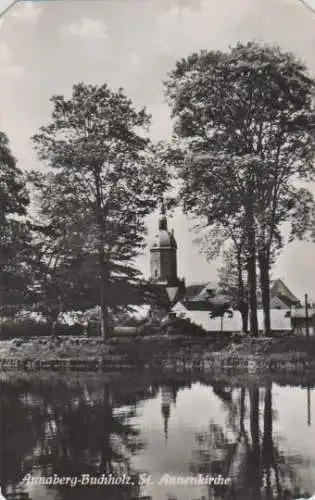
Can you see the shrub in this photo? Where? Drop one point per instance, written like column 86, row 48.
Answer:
column 31, row 328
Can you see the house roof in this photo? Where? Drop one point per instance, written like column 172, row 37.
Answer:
column 279, row 288
column 206, row 291
column 193, row 290
column 201, row 291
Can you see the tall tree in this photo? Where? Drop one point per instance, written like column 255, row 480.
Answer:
column 15, row 252
column 105, row 177
column 245, row 120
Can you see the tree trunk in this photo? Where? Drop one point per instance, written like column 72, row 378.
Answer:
column 104, row 295
column 242, row 410
column 244, row 315
column 103, row 262
column 52, row 322
column 263, row 261
column 242, row 305
column 251, row 268
column 106, row 465
column 2, row 443
column 255, row 433
column 267, row 441
column 267, row 450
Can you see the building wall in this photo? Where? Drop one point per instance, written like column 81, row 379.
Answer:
column 279, row 320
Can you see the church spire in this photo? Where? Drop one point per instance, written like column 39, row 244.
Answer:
column 163, row 219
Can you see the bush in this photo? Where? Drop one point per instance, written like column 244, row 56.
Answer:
column 183, row 326
column 30, row 328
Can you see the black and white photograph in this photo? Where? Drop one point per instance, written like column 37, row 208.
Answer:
column 157, row 250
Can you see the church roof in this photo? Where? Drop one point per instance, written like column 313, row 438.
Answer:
column 164, row 239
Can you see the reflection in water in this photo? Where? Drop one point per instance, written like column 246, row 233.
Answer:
column 309, row 418
column 259, row 469
column 168, row 398
column 95, row 426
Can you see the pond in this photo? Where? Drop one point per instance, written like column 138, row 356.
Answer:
column 143, row 436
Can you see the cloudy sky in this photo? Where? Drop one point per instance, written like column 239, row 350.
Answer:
column 45, row 47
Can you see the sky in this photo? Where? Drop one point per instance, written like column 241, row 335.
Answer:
column 47, row 46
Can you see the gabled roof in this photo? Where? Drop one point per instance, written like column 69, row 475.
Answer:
column 202, row 296
column 193, row 290
column 201, row 291
column 279, row 288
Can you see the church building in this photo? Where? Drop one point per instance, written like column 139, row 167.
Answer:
column 163, row 264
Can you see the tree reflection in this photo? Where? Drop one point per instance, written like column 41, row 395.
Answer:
column 246, row 451
column 89, row 427
column 54, row 429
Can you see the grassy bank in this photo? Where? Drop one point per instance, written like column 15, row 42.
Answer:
column 163, row 353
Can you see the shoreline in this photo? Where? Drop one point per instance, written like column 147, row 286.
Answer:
column 250, row 365
column 159, row 353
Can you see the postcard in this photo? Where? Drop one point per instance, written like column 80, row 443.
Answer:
column 157, row 242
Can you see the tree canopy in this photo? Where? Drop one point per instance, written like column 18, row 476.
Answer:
column 103, row 178
column 245, row 124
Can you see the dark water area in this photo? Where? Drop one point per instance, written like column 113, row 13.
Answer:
column 151, row 432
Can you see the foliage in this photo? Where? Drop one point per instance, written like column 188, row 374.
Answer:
column 65, row 279
column 105, row 179
column 245, row 127
column 77, row 429
column 15, row 252
column 228, row 275
column 13, row 195
column 17, row 260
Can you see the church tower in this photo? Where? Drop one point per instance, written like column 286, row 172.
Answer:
column 163, row 262
column 163, row 254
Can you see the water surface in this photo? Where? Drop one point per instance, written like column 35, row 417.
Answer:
column 258, row 435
